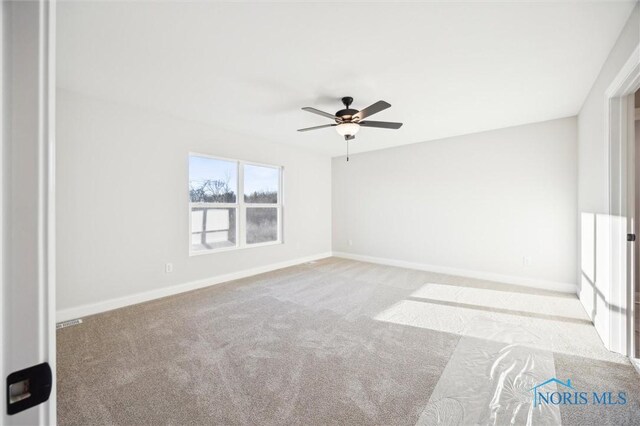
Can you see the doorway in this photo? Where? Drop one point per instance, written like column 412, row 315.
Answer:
column 619, row 245
column 27, row 225
column 636, row 281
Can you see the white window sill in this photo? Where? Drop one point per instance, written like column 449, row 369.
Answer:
column 233, row 248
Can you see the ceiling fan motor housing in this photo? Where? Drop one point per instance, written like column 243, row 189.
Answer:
column 346, row 114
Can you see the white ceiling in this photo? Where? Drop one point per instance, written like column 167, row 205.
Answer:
column 447, row 68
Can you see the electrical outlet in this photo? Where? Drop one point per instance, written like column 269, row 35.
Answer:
column 526, row 260
column 168, row 268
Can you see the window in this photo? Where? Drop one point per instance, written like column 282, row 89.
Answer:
column 261, row 185
column 221, row 218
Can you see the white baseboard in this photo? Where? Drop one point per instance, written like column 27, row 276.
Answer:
column 481, row 275
column 120, row 302
column 108, row 305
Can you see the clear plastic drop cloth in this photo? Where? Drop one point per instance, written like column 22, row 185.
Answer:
column 490, row 382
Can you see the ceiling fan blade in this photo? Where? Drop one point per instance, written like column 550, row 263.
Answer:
column 322, row 113
column 381, row 124
column 316, row 127
column 371, row 109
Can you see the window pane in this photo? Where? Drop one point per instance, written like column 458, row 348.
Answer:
column 212, row 228
column 196, row 220
column 212, row 180
column 262, row 225
column 261, row 184
column 217, row 220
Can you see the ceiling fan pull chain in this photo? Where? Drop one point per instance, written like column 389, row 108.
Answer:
column 347, row 149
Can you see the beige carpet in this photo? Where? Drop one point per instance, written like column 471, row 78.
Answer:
column 338, row 342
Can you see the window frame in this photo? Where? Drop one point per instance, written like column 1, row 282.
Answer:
column 241, row 207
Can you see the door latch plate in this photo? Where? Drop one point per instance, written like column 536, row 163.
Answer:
column 28, row 388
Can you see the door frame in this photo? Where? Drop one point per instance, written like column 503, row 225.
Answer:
column 619, row 130
column 28, row 55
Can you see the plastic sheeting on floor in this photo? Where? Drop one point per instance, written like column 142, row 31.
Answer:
column 490, row 382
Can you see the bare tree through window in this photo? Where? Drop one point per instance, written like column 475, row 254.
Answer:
column 225, row 215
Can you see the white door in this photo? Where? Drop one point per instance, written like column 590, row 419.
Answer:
column 27, row 299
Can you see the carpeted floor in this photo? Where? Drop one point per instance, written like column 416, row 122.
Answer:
column 340, row 342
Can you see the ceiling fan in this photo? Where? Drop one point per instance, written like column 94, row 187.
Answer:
column 348, row 120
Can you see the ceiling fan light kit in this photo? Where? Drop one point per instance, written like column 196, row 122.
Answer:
column 348, row 121
column 347, row 129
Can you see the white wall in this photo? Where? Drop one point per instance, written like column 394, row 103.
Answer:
column 593, row 271
column 474, row 204
column 122, row 208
